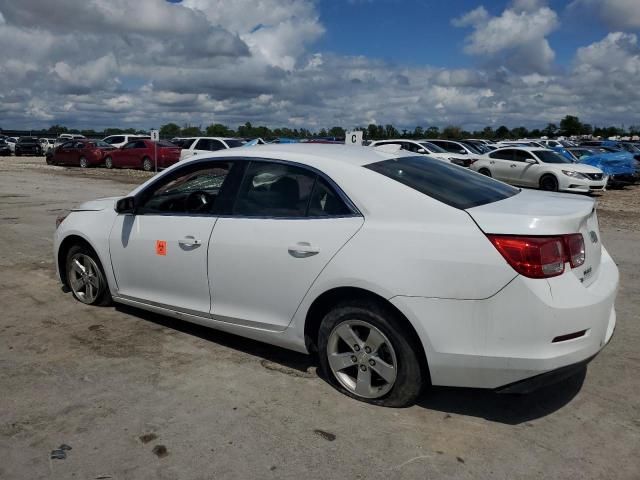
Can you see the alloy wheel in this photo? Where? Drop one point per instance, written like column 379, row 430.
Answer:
column 146, row 165
column 108, row 162
column 83, row 162
column 84, row 278
column 362, row 359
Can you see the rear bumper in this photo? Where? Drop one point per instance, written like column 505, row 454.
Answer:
column 517, row 334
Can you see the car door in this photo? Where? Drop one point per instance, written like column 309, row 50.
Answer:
column 500, row 163
column 61, row 156
column 524, row 169
column 286, row 224
column 159, row 254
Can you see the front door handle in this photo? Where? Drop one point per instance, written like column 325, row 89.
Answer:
column 513, row 165
column 303, row 250
column 492, row 162
column 189, row 241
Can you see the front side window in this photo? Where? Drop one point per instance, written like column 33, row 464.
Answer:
column 233, row 143
column 209, row 145
column 67, row 145
column 190, row 190
column 505, row 154
column 432, row 147
column 521, row 156
column 547, row 156
column 447, row 183
column 274, row 190
column 129, row 145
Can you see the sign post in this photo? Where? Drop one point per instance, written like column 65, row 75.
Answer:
column 353, row 138
column 155, row 137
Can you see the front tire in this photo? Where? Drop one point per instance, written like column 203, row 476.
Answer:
column 549, row 183
column 83, row 162
column 85, row 276
column 367, row 353
column 485, row 171
column 146, row 164
column 108, row 162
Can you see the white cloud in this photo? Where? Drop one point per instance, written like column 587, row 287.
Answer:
column 616, row 14
column 516, row 38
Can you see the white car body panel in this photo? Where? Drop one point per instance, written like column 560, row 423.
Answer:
column 479, row 322
column 195, row 150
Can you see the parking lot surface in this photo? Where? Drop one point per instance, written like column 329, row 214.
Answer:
column 136, row 395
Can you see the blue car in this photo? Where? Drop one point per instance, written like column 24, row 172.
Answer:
column 620, row 167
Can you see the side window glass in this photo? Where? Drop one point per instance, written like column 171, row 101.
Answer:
column 139, row 144
column 325, row 202
column 274, row 190
column 67, row 145
column 129, row 145
column 78, row 145
column 502, row 154
column 189, row 190
column 521, row 156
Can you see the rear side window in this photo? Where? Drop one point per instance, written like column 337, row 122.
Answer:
column 447, row 183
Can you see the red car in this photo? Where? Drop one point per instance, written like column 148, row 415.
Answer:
column 139, row 153
column 80, row 153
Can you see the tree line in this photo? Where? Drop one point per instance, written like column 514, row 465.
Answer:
column 569, row 126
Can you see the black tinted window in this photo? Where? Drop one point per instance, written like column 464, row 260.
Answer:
column 521, row 156
column 450, row 184
column 325, row 202
column 209, row 144
column 551, row 157
column 505, row 154
column 232, row 143
column 274, row 190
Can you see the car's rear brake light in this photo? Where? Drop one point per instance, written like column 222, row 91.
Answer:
column 540, row 257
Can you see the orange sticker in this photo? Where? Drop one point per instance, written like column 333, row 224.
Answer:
column 161, row 247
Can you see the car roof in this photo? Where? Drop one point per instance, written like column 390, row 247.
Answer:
column 317, row 155
column 518, row 147
column 207, row 138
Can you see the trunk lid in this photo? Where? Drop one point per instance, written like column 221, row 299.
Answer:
column 538, row 213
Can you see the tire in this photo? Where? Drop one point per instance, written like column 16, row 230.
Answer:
column 83, row 162
column 18, row 154
column 392, row 345
column 485, row 171
column 549, row 183
column 147, row 166
column 85, row 276
column 49, row 160
column 108, row 162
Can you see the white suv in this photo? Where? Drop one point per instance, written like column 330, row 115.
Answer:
column 199, row 145
column 120, row 140
column 540, row 168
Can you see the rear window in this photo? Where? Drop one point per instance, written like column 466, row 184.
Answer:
column 164, row 143
column 450, row 184
column 234, row 143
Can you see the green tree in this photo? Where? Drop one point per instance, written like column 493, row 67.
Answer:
column 418, row 132
column 519, row 132
column 487, row 132
column 190, row 131
column 390, row 131
column 169, row 130
column 336, row 132
column 432, row 132
column 570, row 125
column 550, row 130
column 451, row 131
column 502, row 132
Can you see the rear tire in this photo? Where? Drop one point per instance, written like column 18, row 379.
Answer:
column 549, row 183
column 379, row 363
column 108, row 162
column 146, row 164
column 485, row 171
column 83, row 162
column 85, row 276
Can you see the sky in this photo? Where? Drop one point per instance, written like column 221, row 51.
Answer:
column 318, row 63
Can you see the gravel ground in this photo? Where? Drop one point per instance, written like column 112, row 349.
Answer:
column 139, row 396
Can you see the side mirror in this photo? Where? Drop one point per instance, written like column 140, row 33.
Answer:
column 530, row 160
column 463, row 152
column 126, row 205
column 422, row 150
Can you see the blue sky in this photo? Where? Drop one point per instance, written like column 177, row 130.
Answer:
column 319, row 63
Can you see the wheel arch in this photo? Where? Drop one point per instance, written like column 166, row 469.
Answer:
column 63, row 250
column 325, row 301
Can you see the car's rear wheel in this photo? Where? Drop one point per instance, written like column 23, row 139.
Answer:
column 367, row 353
column 108, row 162
column 485, row 171
column 549, row 183
column 83, row 162
column 85, row 276
column 146, row 164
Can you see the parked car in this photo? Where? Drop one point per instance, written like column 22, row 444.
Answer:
column 398, row 270
column 47, row 144
column 619, row 167
column 28, row 146
column 142, row 153
column 199, row 145
column 5, row 151
column 80, row 153
column 540, row 168
column 120, row 140
column 11, row 142
column 462, row 153
column 423, row 147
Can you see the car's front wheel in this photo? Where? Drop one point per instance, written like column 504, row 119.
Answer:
column 85, row 276
column 83, row 162
column 108, row 162
column 366, row 352
column 485, row 171
column 146, row 164
column 549, row 183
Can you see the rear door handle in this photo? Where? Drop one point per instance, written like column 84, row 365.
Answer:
column 189, row 241
column 303, row 250
column 492, row 162
column 513, row 165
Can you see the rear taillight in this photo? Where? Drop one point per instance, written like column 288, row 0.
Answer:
column 540, row 257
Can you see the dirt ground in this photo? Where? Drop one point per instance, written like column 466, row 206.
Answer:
column 140, row 396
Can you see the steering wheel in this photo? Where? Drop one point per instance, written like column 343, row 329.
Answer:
column 198, row 201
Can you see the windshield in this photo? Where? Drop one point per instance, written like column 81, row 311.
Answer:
column 551, row 157
column 455, row 186
column 432, row 147
column 234, row 143
column 471, row 147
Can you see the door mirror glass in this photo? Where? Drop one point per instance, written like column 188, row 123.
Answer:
column 530, row 160
column 422, row 150
column 126, row 205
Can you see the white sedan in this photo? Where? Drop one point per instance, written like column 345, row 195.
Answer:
column 398, row 270
column 540, row 168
